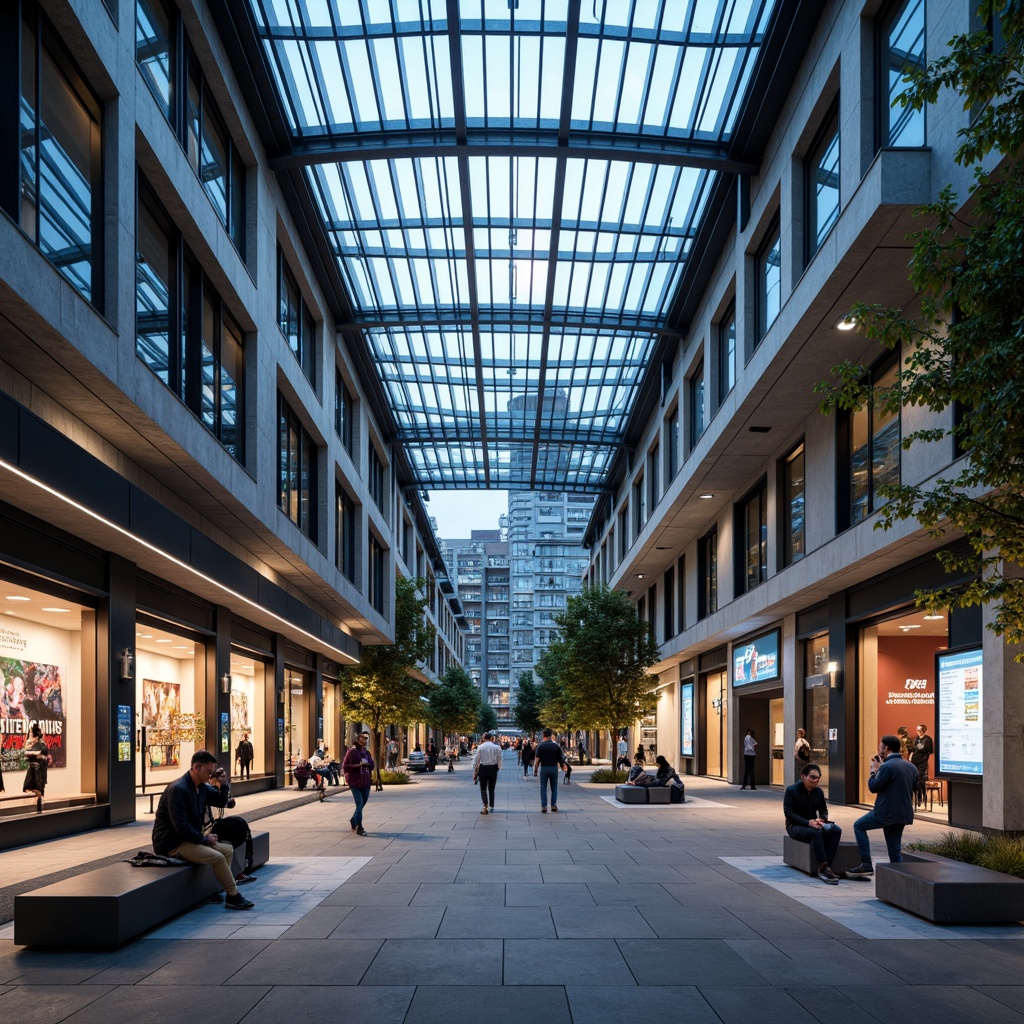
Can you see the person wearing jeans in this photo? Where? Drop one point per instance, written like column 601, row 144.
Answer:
column 358, row 768
column 547, row 759
column 807, row 820
column 893, row 782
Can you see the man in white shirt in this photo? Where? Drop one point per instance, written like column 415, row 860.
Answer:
column 486, row 763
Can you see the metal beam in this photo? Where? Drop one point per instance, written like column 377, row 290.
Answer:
column 484, row 142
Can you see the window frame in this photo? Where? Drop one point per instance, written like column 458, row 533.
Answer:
column 885, row 21
column 707, row 570
column 770, row 243
column 305, row 519
column 671, row 445
column 696, row 387
column 345, row 511
column 790, row 555
column 756, row 497
column 727, row 353
column 828, row 132
column 291, row 303
column 344, row 411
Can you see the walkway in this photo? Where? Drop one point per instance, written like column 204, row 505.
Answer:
column 597, row 914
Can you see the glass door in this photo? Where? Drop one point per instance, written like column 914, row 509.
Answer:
column 716, row 712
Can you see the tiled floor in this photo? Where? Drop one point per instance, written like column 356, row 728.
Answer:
column 596, row 914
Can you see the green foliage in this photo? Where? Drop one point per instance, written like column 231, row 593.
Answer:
column 554, row 706
column 964, row 347
column 391, row 777
column 598, row 666
column 996, row 852
column 526, row 709
column 608, row 775
column 385, row 688
column 454, row 702
column 487, row 717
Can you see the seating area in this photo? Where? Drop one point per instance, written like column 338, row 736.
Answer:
column 108, row 906
column 648, row 794
column 949, row 892
column 801, row 856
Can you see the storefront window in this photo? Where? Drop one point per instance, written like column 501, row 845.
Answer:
column 816, row 704
column 41, row 666
column 248, row 713
column 897, row 682
column 716, row 714
column 170, row 692
column 296, row 717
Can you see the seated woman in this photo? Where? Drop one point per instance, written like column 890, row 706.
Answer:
column 635, row 772
column 665, row 774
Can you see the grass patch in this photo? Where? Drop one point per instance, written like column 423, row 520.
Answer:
column 608, row 775
column 995, row 852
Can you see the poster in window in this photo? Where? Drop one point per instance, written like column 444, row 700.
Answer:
column 225, row 732
column 124, row 732
column 31, row 693
column 161, row 708
column 240, row 712
column 686, row 705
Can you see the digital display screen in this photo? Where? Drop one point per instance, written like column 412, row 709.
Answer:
column 757, row 661
column 960, row 719
column 686, row 716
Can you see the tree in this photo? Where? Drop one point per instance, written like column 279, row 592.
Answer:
column 385, row 688
column 963, row 347
column 487, row 717
column 601, row 660
column 454, row 702
column 526, row 710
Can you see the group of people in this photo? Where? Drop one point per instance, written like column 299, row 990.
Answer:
column 546, row 759
column 893, row 782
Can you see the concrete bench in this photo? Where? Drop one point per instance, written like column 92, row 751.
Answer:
column 801, row 856
column 949, row 892
column 645, row 794
column 108, row 906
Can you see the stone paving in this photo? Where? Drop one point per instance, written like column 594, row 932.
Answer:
column 597, row 914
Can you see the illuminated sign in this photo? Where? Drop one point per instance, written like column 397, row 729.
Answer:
column 686, row 717
column 757, row 661
column 960, row 719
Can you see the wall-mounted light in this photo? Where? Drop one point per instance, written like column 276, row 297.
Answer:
column 847, row 323
column 225, row 683
column 127, row 660
column 833, row 669
column 280, row 696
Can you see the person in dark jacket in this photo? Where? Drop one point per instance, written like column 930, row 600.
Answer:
column 178, row 826
column 893, row 781
column 807, row 820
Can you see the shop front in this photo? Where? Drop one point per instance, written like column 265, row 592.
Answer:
column 758, row 703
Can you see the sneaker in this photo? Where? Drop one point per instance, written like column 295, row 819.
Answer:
column 827, row 876
column 861, row 869
column 543, row 810
column 360, row 831
column 484, row 811
column 553, row 807
column 242, row 878
column 238, row 902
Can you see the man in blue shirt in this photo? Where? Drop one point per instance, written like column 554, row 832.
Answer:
column 893, row 782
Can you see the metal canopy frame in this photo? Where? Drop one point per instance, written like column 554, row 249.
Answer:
column 510, row 192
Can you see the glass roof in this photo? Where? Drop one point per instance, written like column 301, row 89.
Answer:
column 511, row 197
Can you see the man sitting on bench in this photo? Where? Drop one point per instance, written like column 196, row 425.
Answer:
column 807, row 820
column 178, row 826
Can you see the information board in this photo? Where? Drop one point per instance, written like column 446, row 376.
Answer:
column 686, row 719
column 960, row 719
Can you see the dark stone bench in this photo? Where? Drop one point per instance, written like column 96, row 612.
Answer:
column 108, row 906
column 801, row 856
column 645, row 794
column 949, row 892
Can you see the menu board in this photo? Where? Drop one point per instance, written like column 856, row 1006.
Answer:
column 686, row 715
column 960, row 717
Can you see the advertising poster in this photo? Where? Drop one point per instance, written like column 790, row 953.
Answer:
column 31, row 693
column 161, row 706
column 757, row 661
column 686, row 706
column 124, row 732
column 225, row 732
column 960, row 749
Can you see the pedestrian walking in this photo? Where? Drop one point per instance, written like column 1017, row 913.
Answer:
column 486, row 762
column 547, row 759
column 358, row 768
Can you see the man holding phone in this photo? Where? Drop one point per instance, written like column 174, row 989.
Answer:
column 893, row 782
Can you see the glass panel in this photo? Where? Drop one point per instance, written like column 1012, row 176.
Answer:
column 153, row 50
column 793, row 507
column 771, row 282
column 825, row 185
column 904, row 52
column 248, row 717
column 152, row 295
column 232, row 376
column 208, row 401
column 885, row 443
column 214, row 163
column 727, row 355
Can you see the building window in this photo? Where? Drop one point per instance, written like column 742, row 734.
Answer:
column 752, row 540
column 727, row 353
column 822, row 183
column 652, row 608
column 623, row 535
column 696, row 389
column 344, row 533
column 183, row 332
column 169, row 67
column 668, row 608
column 794, row 523
column 639, row 507
column 377, row 474
column 901, row 50
column 52, row 185
column 874, row 448
column 653, row 488
column 375, row 575
column 296, row 320
column 296, row 471
column 707, row 567
column 769, row 279
column 672, row 445
column 344, row 411
column 681, row 592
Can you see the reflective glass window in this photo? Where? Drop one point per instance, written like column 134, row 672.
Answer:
column 297, row 471
column 696, row 395
column 902, row 48
column 794, row 512
column 752, row 540
column 727, row 353
column 822, row 183
column 296, row 319
column 874, row 449
column 769, row 280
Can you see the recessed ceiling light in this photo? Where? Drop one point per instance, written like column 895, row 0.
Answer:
column 17, row 597
column 759, row 430
column 847, row 323
column 56, row 611
column 180, row 647
column 705, row 495
column 146, row 636
column 932, row 618
column 915, row 625
column 163, row 641
column 640, row 575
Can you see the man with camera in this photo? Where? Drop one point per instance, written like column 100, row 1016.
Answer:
column 807, row 820
column 178, row 826
column 893, row 782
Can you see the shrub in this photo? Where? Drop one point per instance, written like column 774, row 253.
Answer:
column 390, row 777
column 996, row 852
column 608, row 775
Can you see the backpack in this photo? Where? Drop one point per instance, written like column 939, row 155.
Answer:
column 234, row 829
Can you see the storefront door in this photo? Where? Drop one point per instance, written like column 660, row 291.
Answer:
column 716, row 714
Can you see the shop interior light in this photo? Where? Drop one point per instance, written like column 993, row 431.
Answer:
column 933, row 618
column 18, row 597
column 56, row 611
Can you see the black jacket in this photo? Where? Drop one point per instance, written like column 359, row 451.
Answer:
column 181, row 812
column 800, row 805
